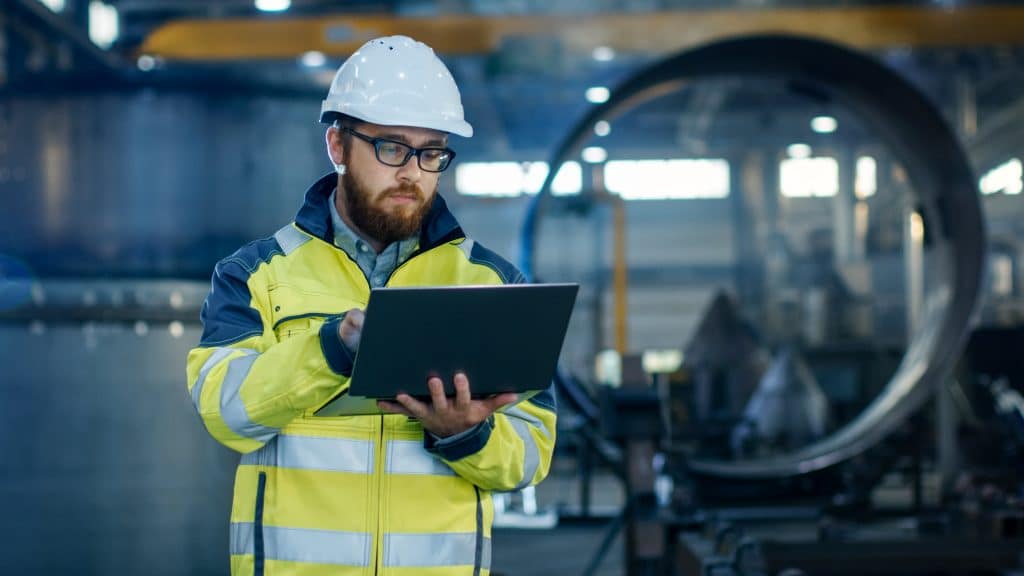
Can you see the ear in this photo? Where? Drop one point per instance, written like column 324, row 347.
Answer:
column 335, row 145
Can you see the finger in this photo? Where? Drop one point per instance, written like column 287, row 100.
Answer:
column 356, row 316
column 495, row 402
column 416, row 408
column 437, row 394
column 463, row 397
column 392, row 408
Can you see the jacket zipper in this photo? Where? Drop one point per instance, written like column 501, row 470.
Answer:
column 257, row 542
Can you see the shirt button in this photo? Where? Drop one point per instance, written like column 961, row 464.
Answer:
column 362, row 247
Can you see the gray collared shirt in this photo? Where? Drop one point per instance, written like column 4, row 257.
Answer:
column 376, row 267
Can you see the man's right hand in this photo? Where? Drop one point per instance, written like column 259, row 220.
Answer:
column 351, row 329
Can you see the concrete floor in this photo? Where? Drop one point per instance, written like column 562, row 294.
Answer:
column 568, row 548
column 565, row 551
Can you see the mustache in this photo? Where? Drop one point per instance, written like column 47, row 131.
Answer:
column 405, row 190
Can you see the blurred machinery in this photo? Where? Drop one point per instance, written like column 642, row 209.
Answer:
column 822, row 461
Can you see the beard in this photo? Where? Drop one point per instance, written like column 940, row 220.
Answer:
column 372, row 218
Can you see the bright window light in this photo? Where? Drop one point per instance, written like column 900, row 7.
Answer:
column 809, row 177
column 824, row 124
column 865, row 181
column 603, row 54
column 313, row 59
column 103, row 24
column 273, row 5
column 490, row 178
column 598, row 94
column 509, row 179
column 798, row 151
column 594, row 154
column 667, row 179
column 54, row 5
column 1005, row 178
column 567, row 182
column 602, row 128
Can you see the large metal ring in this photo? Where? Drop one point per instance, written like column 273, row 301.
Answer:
column 946, row 193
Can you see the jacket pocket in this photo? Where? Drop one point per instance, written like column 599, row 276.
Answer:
column 289, row 327
column 258, row 551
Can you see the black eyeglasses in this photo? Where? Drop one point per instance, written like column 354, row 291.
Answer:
column 391, row 153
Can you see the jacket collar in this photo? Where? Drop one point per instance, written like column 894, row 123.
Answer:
column 314, row 217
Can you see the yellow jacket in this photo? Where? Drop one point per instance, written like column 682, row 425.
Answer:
column 348, row 495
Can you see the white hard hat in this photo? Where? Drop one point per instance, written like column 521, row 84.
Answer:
column 397, row 81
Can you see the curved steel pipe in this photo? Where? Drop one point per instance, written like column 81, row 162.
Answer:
column 944, row 185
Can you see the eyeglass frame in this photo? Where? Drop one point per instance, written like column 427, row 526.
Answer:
column 412, row 150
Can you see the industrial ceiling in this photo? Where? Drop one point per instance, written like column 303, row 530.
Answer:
column 524, row 66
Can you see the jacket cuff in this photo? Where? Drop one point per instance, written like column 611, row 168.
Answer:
column 338, row 357
column 461, row 445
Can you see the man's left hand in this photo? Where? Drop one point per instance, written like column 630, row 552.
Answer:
column 445, row 416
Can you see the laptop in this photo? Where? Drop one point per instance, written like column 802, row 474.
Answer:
column 505, row 338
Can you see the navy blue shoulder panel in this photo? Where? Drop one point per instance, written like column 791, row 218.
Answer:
column 508, row 273
column 546, row 399
column 439, row 225
column 315, row 214
column 227, row 315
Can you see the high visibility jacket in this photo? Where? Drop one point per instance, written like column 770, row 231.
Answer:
column 347, row 495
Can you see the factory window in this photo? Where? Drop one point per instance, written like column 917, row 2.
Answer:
column 667, row 179
column 1005, row 178
column 103, row 24
column 809, row 177
column 865, row 181
column 508, row 179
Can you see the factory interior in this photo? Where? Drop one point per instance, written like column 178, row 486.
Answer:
column 801, row 299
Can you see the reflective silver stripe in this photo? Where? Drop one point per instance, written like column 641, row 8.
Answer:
column 467, row 247
column 290, row 239
column 241, row 538
column 453, row 549
column 534, row 421
column 314, row 453
column 213, row 360
column 485, row 555
column 232, row 409
column 304, row 545
column 409, row 457
column 531, row 454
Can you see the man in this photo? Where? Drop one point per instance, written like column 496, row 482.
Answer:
column 396, row 494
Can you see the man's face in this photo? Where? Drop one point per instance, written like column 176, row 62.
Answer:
column 386, row 203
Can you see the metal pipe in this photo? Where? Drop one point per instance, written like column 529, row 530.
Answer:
column 621, row 327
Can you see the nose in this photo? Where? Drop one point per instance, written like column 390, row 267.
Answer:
column 410, row 172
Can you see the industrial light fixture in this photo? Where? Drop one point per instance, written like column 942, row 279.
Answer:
column 602, row 128
column 824, row 124
column 313, row 59
column 273, row 5
column 594, row 154
column 146, row 62
column 603, row 53
column 798, row 150
column 598, row 94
